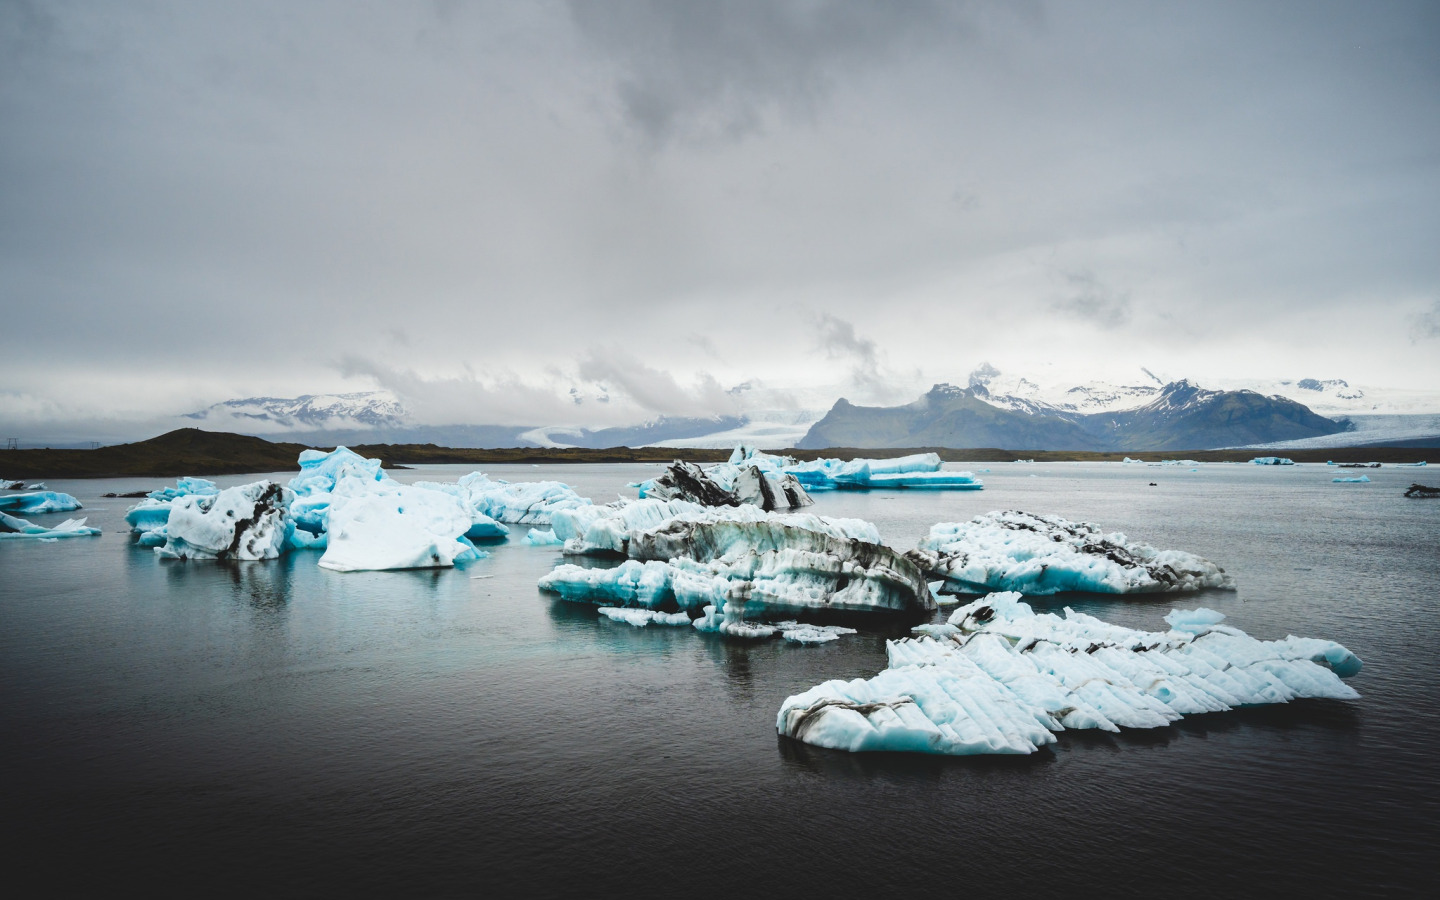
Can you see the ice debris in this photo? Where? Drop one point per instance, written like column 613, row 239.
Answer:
column 1036, row 554
column 36, row 502
column 998, row 678
column 15, row 528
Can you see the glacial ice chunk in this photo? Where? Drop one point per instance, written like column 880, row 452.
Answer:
column 1002, row 679
column 36, row 502
column 1272, row 461
column 251, row 521
column 1362, row 479
column 746, row 566
column 12, row 527
column 1035, row 554
column 519, row 503
column 546, row 538
column 642, row 617
column 397, row 527
column 729, row 484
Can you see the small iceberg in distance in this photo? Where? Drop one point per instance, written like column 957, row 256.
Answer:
column 1013, row 550
column 998, row 678
column 1272, row 461
column 1362, row 479
column 16, row 528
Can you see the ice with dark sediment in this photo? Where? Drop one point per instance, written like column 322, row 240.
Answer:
column 14, row 528
column 999, row 678
column 739, row 569
column 1272, row 461
column 1013, row 550
column 251, row 521
column 33, row 503
column 755, row 483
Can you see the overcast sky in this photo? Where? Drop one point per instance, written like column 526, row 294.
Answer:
column 483, row 206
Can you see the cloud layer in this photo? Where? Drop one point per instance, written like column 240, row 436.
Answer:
column 495, row 204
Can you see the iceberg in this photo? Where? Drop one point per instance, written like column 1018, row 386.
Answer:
column 1034, row 554
column 917, row 471
column 547, row 538
column 1423, row 491
column 520, row 503
column 735, row 566
column 999, row 678
column 251, row 521
column 729, row 484
column 1272, row 461
column 642, row 617
column 1362, row 479
column 11, row 485
column 148, row 517
column 36, row 502
column 395, row 526
column 16, row 528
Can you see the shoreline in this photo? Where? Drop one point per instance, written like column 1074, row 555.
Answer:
column 191, row 451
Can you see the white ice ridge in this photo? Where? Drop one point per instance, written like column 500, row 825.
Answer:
column 36, row 502
column 1036, row 555
column 15, row 528
column 251, row 521
column 1001, row 679
column 736, row 567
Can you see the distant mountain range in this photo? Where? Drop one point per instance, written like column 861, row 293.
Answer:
column 994, row 409
column 1180, row 416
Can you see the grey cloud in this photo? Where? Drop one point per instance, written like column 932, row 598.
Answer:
column 716, row 69
column 654, row 390
column 838, row 339
column 1426, row 324
column 1088, row 298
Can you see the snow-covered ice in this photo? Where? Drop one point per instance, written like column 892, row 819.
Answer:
column 16, row 528
column 395, row 526
column 1035, row 554
column 998, row 678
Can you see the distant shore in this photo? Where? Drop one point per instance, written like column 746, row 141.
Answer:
column 191, row 451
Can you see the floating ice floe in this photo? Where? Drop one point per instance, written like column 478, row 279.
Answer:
column 916, row 472
column 1034, row 554
column 36, row 502
column 251, row 521
column 1272, row 461
column 739, row 569
column 998, row 678
column 1362, row 479
column 546, row 538
column 16, row 528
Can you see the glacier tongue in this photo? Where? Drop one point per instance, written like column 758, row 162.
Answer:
column 1034, row 554
column 998, row 678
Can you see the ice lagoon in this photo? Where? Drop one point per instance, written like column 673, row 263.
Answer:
column 273, row 723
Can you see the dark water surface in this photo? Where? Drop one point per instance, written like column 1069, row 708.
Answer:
column 273, row 727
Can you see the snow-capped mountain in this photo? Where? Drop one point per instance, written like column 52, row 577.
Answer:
column 365, row 409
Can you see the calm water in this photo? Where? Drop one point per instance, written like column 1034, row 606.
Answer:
column 280, row 728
